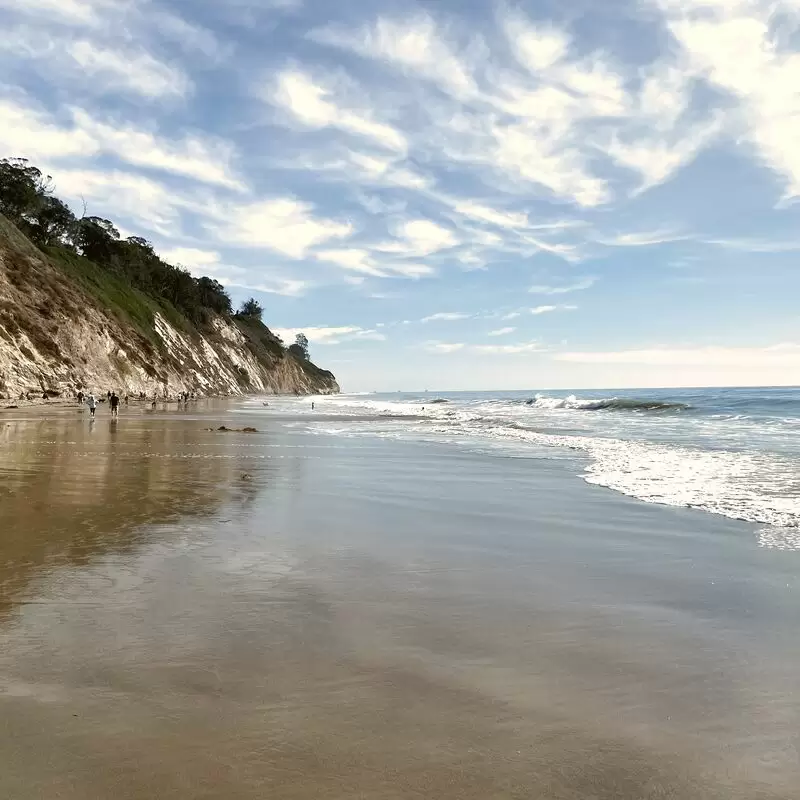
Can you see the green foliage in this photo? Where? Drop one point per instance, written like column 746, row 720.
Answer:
column 111, row 292
column 300, row 347
column 22, row 188
column 250, row 309
column 26, row 199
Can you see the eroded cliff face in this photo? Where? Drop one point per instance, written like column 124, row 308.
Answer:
column 57, row 337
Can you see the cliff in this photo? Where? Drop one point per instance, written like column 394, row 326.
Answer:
column 68, row 324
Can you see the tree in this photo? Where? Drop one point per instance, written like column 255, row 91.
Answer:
column 213, row 295
column 52, row 222
column 300, row 347
column 22, row 187
column 96, row 237
column 251, row 309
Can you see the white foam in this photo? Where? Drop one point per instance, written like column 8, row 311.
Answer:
column 719, row 466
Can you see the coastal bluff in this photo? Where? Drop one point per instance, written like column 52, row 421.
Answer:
column 66, row 323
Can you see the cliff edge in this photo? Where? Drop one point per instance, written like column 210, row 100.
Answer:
column 67, row 323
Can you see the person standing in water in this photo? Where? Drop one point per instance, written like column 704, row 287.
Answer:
column 312, row 405
column 92, row 403
column 114, row 400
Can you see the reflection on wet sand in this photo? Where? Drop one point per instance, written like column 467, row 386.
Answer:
column 69, row 492
column 372, row 620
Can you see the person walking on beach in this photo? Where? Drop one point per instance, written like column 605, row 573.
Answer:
column 312, row 405
column 92, row 403
column 80, row 398
column 114, row 400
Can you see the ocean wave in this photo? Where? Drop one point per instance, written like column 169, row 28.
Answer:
column 732, row 465
column 605, row 404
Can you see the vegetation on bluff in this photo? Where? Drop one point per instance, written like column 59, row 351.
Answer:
column 125, row 275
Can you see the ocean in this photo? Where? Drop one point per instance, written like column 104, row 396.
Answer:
column 734, row 452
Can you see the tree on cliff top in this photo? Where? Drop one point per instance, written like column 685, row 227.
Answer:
column 250, row 309
column 300, row 347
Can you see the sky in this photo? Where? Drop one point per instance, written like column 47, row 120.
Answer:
column 451, row 194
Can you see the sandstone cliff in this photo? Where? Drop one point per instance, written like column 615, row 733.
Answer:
column 66, row 324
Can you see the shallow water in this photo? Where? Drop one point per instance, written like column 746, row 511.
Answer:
column 191, row 614
column 734, row 452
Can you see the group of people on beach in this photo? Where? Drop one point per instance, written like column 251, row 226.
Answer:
column 114, row 400
column 91, row 401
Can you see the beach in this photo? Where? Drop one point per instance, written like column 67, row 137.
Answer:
column 291, row 613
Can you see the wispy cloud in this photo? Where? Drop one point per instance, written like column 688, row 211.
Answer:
column 641, row 239
column 737, row 49
column 315, row 105
column 414, row 45
column 133, row 70
column 548, row 309
column 756, row 245
column 786, row 354
column 419, row 238
column 584, row 283
column 446, row 348
column 509, row 349
column 446, row 316
column 501, row 332
column 29, row 131
column 285, row 225
column 323, row 335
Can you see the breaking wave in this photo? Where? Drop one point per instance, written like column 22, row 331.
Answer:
column 606, row 404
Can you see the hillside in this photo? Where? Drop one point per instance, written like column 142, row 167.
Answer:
column 69, row 323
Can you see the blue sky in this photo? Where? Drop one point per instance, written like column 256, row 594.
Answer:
column 451, row 194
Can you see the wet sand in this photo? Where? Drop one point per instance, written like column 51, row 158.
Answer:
column 193, row 614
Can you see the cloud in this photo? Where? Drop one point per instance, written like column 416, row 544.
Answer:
column 503, row 219
column 364, row 261
column 414, row 45
column 508, row 349
column 81, row 12
column 642, row 239
column 123, row 196
column 25, row 131
column 743, row 49
column 354, row 259
column 190, row 257
column 756, row 245
column 284, row 225
column 483, row 349
column 548, row 309
column 286, row 287
column 128, row 70
column 786, row 354
column 34, row 133
column 584, row 283
column 330, row 335
column 200, row 158
column 444, row 347
column 501, row 332
column 446, row 316
column 313, row 105
column 110, row 60
column 419, row 238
